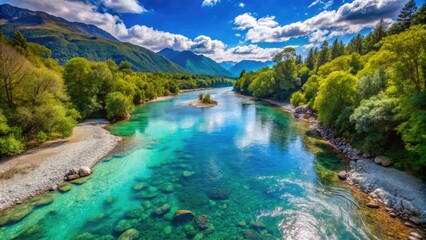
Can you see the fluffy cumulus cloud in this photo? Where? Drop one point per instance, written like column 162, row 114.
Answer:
column 145, row 36
column 241, row 5
column 124, row 6
column 209, row 3
column 349, row 18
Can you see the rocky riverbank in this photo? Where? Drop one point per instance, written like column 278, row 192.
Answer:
column 400, row 194
column 40, row 169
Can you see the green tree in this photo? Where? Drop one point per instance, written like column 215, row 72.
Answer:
column 298, row 99
column 118, row 106
column 336, row 92
column 410, row 51
column 375, row 121
column 405, row 18
column 323, row 54
column 82, row 90
column 310, row 59
column 355, row 45
column 420, row 16
column 14, row 69
column 19, row 42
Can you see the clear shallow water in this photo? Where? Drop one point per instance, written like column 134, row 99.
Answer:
column 248, row 163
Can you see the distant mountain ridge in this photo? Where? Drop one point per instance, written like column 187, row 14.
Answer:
column 250, row 66
column 72, row 39
column 197, row 64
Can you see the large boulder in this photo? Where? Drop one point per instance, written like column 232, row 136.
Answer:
column 84, row 171
column 342, row 175
column 183, row 216
column 383, row 160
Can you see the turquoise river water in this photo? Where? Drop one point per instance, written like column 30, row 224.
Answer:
column 242, row 164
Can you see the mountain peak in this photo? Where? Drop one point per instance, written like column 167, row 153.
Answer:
column 20, row 17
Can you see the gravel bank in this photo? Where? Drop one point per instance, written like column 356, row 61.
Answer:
column 36, row 170
column 403, row 194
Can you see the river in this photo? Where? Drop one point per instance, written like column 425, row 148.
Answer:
column 242, row 163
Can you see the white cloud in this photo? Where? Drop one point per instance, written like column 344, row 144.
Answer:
column 238, row 34
column 241, row 5
column 349, row 18
column 124, row 6
column 326, row 4
column 209, row 3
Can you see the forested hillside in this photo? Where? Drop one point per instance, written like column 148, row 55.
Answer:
column 67, row 40
column 372, row 91
column 196, row 64
column 40, row 100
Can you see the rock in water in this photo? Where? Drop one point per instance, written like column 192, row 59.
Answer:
column 183, row 216
column 72, row 177
column 342, row 175
column 383, row 160
column 257, row 225
column 130, row 234
column 160, row 211
column 202, row 222
column 84, row 171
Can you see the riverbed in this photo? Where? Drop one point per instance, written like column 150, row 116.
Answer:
column 242, row 165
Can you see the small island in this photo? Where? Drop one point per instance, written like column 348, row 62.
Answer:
column 203, row 101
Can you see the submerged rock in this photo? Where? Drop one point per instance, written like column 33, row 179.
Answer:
column 80, row 181
column 160, row 211
column 64, row 188
column 130, row 234
column 202, row 222
column 124, row 225
column 219, row 194
column 183, row 216
column 135, row 213
column 187, row 173
column 140, row 186
column 15, row 215
column 257, row 225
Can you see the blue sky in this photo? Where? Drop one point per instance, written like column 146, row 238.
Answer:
column 225, row 30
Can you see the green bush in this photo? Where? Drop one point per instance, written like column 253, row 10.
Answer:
column 298, row 99
column 201, row 96
column 10, row 146
column 42, row 137
column 117, row 106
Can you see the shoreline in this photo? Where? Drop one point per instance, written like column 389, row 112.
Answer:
column 39, row 169
column 394, row 192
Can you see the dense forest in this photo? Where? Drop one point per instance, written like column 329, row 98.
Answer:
column 371, row 91
column 41, row 100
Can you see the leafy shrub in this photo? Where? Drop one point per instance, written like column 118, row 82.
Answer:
column 117, row 106
column 298, row 99
column 42, row 137
column 10, row 146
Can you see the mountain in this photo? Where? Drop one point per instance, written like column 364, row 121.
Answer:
column 71, row 39
column 250, row 66
column 228, row 64
column 197, row 64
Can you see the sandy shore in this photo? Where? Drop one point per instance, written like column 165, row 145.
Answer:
column 37, row 169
